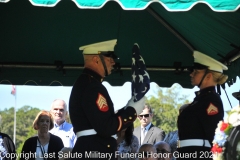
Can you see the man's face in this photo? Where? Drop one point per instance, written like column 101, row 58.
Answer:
column 59, row 111
column 145, row 117
column 109, row 61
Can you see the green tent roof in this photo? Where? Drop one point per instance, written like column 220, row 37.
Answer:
column 39, row 45
column 170, row 5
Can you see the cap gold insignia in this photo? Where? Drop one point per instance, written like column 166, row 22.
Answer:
column 212, row 110
column 102, row 103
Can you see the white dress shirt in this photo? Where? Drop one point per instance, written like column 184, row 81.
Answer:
column 144, row 131
column 65, row 132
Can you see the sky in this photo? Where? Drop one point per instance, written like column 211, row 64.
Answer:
column 42, row 96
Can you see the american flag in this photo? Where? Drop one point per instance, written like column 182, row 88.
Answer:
column 13, row 92
column 140, row 76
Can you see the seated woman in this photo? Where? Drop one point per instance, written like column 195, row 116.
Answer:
column 127, row 143
column 6, row 146
column 45, row 145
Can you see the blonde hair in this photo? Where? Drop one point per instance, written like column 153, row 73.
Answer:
column 218, row 77
column 42, row 113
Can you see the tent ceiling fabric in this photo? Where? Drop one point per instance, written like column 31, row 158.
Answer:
column 170, row 5
column 39, row 45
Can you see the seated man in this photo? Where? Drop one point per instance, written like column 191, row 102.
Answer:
column 163, row 150
column 148, row 151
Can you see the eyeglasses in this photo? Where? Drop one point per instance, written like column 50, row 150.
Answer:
column 143, row 115
column 162, row 151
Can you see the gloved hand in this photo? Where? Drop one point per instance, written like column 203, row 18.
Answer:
column 138, row 106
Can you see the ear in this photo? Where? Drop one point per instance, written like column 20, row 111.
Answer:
column 151, row 114
column 209, row 75
column 95, row 59
column 35, row 126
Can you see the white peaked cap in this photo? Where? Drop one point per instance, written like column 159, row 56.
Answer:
column 211, row 63
column 99, row 47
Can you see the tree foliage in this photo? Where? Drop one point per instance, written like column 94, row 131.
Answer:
column 165, row 107
column 25, row 117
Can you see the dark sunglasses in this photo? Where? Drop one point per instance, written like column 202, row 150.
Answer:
column 145, row 115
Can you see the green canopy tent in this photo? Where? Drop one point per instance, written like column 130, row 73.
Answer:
column 40, row 39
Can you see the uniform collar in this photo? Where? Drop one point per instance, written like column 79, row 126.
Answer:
column 93, row 74
column 206, row 90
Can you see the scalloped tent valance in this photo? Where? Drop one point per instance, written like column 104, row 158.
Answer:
column 176, row 5
column 39, row 45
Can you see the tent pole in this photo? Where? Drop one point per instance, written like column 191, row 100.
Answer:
column 163, row 22
column 73, row 67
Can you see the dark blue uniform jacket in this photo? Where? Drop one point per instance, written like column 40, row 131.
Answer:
column 91, row 107
column 199, row 120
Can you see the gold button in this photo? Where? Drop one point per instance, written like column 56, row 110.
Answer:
column 108, row 146
column 130, row 117
column 135, row 114
column 125, row 119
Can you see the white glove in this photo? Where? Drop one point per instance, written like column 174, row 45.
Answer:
column 138, row 106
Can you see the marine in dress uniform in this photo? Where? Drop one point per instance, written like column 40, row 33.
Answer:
column 91, row 108
column 197, row 121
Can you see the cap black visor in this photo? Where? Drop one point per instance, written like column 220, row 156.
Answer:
column 197, row 66
column 109, row 54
